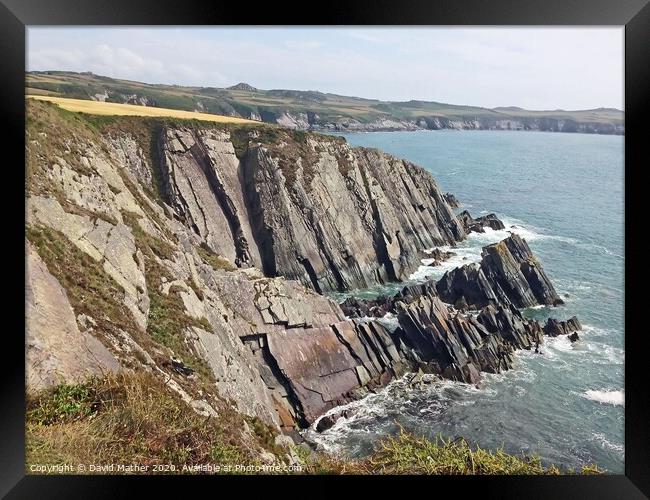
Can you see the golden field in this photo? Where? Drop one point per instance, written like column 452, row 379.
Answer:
column 112, row 108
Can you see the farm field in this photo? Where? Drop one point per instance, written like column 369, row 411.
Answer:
column 113, row 108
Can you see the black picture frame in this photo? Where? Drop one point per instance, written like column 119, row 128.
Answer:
column 15, row 15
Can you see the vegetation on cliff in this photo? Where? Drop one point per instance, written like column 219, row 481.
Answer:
column 410, row 454
column 135, row 419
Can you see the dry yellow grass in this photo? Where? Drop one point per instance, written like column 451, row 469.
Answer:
column 112, row 108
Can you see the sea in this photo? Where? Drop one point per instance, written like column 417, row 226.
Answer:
column 563, row 193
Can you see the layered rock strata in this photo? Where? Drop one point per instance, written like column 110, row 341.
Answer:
column 439, row 338
column 200, row 260
column 508, row 273
column 312, row 209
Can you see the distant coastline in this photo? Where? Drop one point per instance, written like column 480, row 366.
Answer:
column 321, row 112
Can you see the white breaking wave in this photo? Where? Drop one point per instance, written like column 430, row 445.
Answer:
column 470, row 250
column 389, row 321
column 464, row 255
column 560, row 343
column 529, row 233
column 616, row 398
column 599, row 348
column 607, row 444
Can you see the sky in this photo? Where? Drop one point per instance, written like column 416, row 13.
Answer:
column 533, row 68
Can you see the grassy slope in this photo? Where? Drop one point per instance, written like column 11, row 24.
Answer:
column 134, row 419
column 270, row 103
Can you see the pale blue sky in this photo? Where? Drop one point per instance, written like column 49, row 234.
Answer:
column 534, row 68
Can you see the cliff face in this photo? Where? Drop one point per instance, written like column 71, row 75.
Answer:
column 309, row 208
column 197, row 254
column 530, row 123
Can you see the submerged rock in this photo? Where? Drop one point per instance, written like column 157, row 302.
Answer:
column 478, row 225
column 438, row 256
column 359, row 308
column 326, row 422
column 553, row 327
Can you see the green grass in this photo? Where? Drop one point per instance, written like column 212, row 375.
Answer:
column 409, row 454
column 52, row 134
column 145, row 241
column 63, row 403
column 132, row 418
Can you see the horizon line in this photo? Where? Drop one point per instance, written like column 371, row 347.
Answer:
column 600, row 108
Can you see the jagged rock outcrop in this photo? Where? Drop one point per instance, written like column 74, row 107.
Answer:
column 379, row 306
column 438, row 339
column 318, row 211
column 479, row 224
column 553, row 327
column 508, row 322
column 451, row 200
column 508, row 273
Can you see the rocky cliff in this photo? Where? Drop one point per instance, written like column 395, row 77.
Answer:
column 198, row 253
column 305, row 207
column 503, row 122
column 508, row 273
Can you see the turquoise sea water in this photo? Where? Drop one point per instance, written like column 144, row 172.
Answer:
column 564, row 194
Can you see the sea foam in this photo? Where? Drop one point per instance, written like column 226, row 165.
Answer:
column 470, row 250
column 616, row 398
